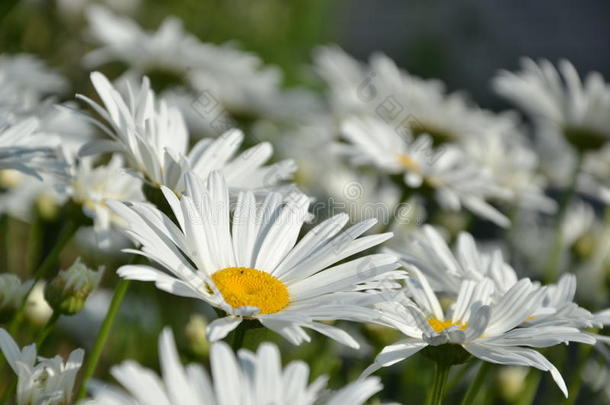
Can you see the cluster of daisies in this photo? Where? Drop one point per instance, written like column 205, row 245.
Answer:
column 208, row 213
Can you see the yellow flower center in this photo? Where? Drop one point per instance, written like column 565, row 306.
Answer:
column 243, row 286
column 439, row 325
column 407, row 162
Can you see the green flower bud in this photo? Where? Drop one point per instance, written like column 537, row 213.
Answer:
column 68, row 291
column 12, row 292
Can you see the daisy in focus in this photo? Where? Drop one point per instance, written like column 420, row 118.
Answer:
column 155, row 140
column 249, row 378
column 455, row 179
column 41, row 380
column 476, row 324
column 254, row 265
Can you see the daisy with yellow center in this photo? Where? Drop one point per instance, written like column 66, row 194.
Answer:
column 251, row 263
column 458, row 181
column 482, row 321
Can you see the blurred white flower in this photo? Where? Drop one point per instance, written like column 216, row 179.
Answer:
column 380, row 89
column 258, row 270
column 90, row 186
column 253, row 378
column 23, row 148
column 594, row 179
column 513, row 164
column 456, row 179
column 12, row 292
column 41, row 380
column 37, row 310
column 558, row 98
column 155, row 139
column 25, row 81
column 217, row 75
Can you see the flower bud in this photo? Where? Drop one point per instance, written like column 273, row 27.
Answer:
column 12, row 292
column 195, row 333
column 68, row 291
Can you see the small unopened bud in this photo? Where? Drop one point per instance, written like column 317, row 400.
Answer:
column 511, row 381
column 195, row 333
column 68, row 291
column 12, row 292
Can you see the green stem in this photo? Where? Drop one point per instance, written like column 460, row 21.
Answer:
column 44, row 333
column 4, row 241
column 531, row 388
column 441, row 371
column 553, row 261
column 49, row 262
column 102, row 336
column 577, row 379
column 476, row 384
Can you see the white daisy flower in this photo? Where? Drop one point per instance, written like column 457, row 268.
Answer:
column 248, row 378
column 560, row 99
column 513, row 164
column 445, row 269
column 237, row 81
column 42, row 380
column 252, row 266
column 90, row 186
column 22, row 148
column 155, row 139
column 12, row 292
column 594, row 178
column 121, row 39
column 25, row 81
column 487, row 329
column 457, row 181
column 381, row 89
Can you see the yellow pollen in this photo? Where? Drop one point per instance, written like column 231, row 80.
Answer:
column 243, row 286
column 440, row 326
column 407, row 162
column 529, row 318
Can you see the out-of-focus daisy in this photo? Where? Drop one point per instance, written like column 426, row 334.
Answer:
column 455, row 179
column 594, row 179
column 90, row 186
column 121, row 39
column 221, row 76
column 560, row 99
column 12, row 291
column 41, row 380
column 23, row 149
column 253, row 266
column 512, row 162
column 487, row 329
column 24, row 82
column 155, row 139
column 382, row 90
column 252, row 378
column 445, row 269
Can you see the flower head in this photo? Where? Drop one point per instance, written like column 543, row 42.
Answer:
column 69, row 290
column 12, row 292
column 154, row 137
column 255, row 378
column 559, row 99
column 253, row 265
column 42, row 380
